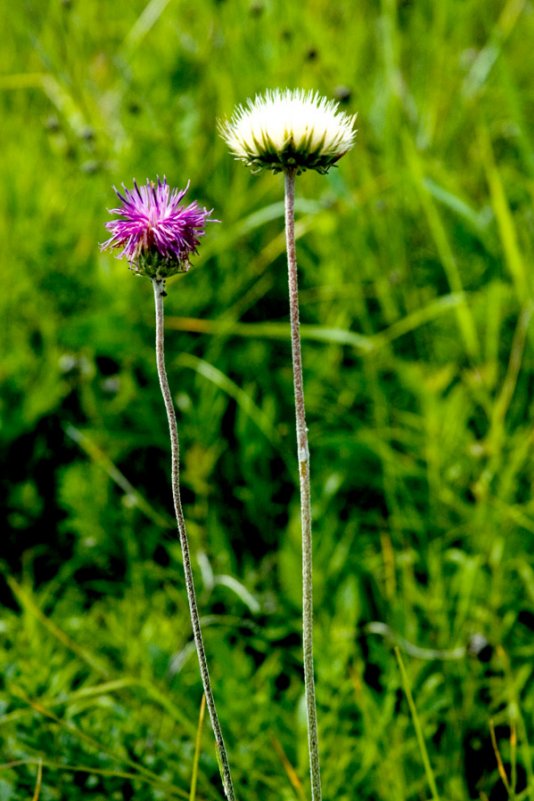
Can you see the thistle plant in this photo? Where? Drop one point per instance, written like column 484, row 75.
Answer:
column 157, row 235
column 292, row 131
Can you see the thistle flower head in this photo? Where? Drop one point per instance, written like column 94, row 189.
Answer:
column 289, row 130
column 155, row 233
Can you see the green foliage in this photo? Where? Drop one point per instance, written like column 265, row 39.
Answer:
column 417, row 305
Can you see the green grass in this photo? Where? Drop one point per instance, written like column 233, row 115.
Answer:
column 417, row 301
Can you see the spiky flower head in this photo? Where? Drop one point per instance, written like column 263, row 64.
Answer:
column 156, row 233
column 289, row 130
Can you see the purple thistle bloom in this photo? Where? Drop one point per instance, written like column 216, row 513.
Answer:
column 156, row 234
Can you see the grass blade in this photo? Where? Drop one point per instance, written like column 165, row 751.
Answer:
column 417, row 726
column 198, row 743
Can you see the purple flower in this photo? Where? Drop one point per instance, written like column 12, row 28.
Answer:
column 156, row 234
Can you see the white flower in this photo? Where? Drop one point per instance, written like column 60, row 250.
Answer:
column 289, row 130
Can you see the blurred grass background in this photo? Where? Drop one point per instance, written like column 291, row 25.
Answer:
column 416, row 291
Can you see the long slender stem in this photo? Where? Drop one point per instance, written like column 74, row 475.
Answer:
column 305, row 494
column 224, row 766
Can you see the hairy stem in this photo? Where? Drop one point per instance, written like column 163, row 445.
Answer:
column 305, row 494
column 224, row 766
